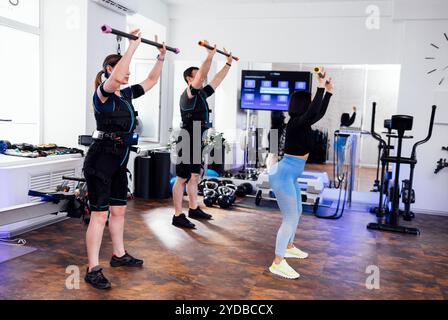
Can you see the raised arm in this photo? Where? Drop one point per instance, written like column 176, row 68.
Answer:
column 202, row 73
column 155, row 73
column 325, row 102
column 353, row 118
column 220, row 76
column 121, row 71
column 315, row 106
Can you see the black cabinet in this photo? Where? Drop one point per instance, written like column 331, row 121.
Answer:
column 152, row 176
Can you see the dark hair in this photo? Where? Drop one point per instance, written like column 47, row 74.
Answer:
column 299, row 103
column 277, row 120
column 111, row 60
column 189, row 73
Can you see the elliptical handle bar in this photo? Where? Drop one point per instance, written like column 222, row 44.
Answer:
column 375, row 135
column 431, row 125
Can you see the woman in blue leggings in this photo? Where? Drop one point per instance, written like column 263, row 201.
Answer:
column 283, row 176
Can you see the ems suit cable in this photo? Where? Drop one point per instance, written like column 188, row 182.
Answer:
column 343, row 183
column 193, row 104
column 206, row 110
column 130, row 129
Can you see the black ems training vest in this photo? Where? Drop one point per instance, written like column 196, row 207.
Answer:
column 122, row 121
column 119, row 121
column 198, row 110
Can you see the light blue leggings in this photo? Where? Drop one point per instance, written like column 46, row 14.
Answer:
column 283, row 180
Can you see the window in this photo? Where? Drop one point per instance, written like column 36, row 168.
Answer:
column 148, row 106
column 20, row 65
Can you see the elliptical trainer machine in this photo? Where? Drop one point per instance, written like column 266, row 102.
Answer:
column 383, row 186
column 377, row 184
column 388, row 217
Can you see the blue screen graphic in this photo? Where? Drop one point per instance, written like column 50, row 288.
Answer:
column 250, row 84
column 272, row 90
column 301, row 85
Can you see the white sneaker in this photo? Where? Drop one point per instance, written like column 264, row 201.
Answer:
column 296, row 254
column 284, row 270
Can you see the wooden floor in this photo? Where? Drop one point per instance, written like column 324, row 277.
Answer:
column 228, row 258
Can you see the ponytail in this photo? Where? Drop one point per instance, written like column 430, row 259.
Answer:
column 110, row 60
column 99, row 79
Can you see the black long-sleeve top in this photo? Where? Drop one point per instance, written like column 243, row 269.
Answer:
column 347, row 121
column 298, row 130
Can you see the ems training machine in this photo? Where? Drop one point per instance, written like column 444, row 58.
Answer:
column 255, row 184
column 388, row 213
column 342, row 179
column 109, row 30
column 204, row 44
column 344, row 167
column 73, row 199
column 312, row 186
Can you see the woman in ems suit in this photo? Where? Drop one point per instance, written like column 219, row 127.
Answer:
column 106, row 162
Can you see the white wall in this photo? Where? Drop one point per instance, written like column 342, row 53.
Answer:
column 418, row 92
column 332, row 33
column 64, row 32
column 99, row 46
column 74, row 49
column 326, row 32
column 329, row 33
column 336, row 33
column 155, row 10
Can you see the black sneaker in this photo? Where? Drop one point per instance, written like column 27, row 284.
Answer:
column 199, row 214
column 125, row 261
column 182, row 222
column 97, row 279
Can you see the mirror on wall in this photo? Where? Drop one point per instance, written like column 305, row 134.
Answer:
column 355, row 86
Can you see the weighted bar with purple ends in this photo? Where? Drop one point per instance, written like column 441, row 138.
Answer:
column 110, row 30
column 203, row 44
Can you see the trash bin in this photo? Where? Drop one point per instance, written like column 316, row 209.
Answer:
column 142, row 176
column 152, row 176
column 160, row 177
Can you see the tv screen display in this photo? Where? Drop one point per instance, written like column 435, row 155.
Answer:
column 271, row 90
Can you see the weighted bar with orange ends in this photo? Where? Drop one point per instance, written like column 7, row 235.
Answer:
column 204, row 44
column 318, row 70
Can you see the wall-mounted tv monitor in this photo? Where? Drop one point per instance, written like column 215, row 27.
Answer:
column 272, row 90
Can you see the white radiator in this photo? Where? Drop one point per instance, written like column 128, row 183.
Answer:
column 18, row 175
